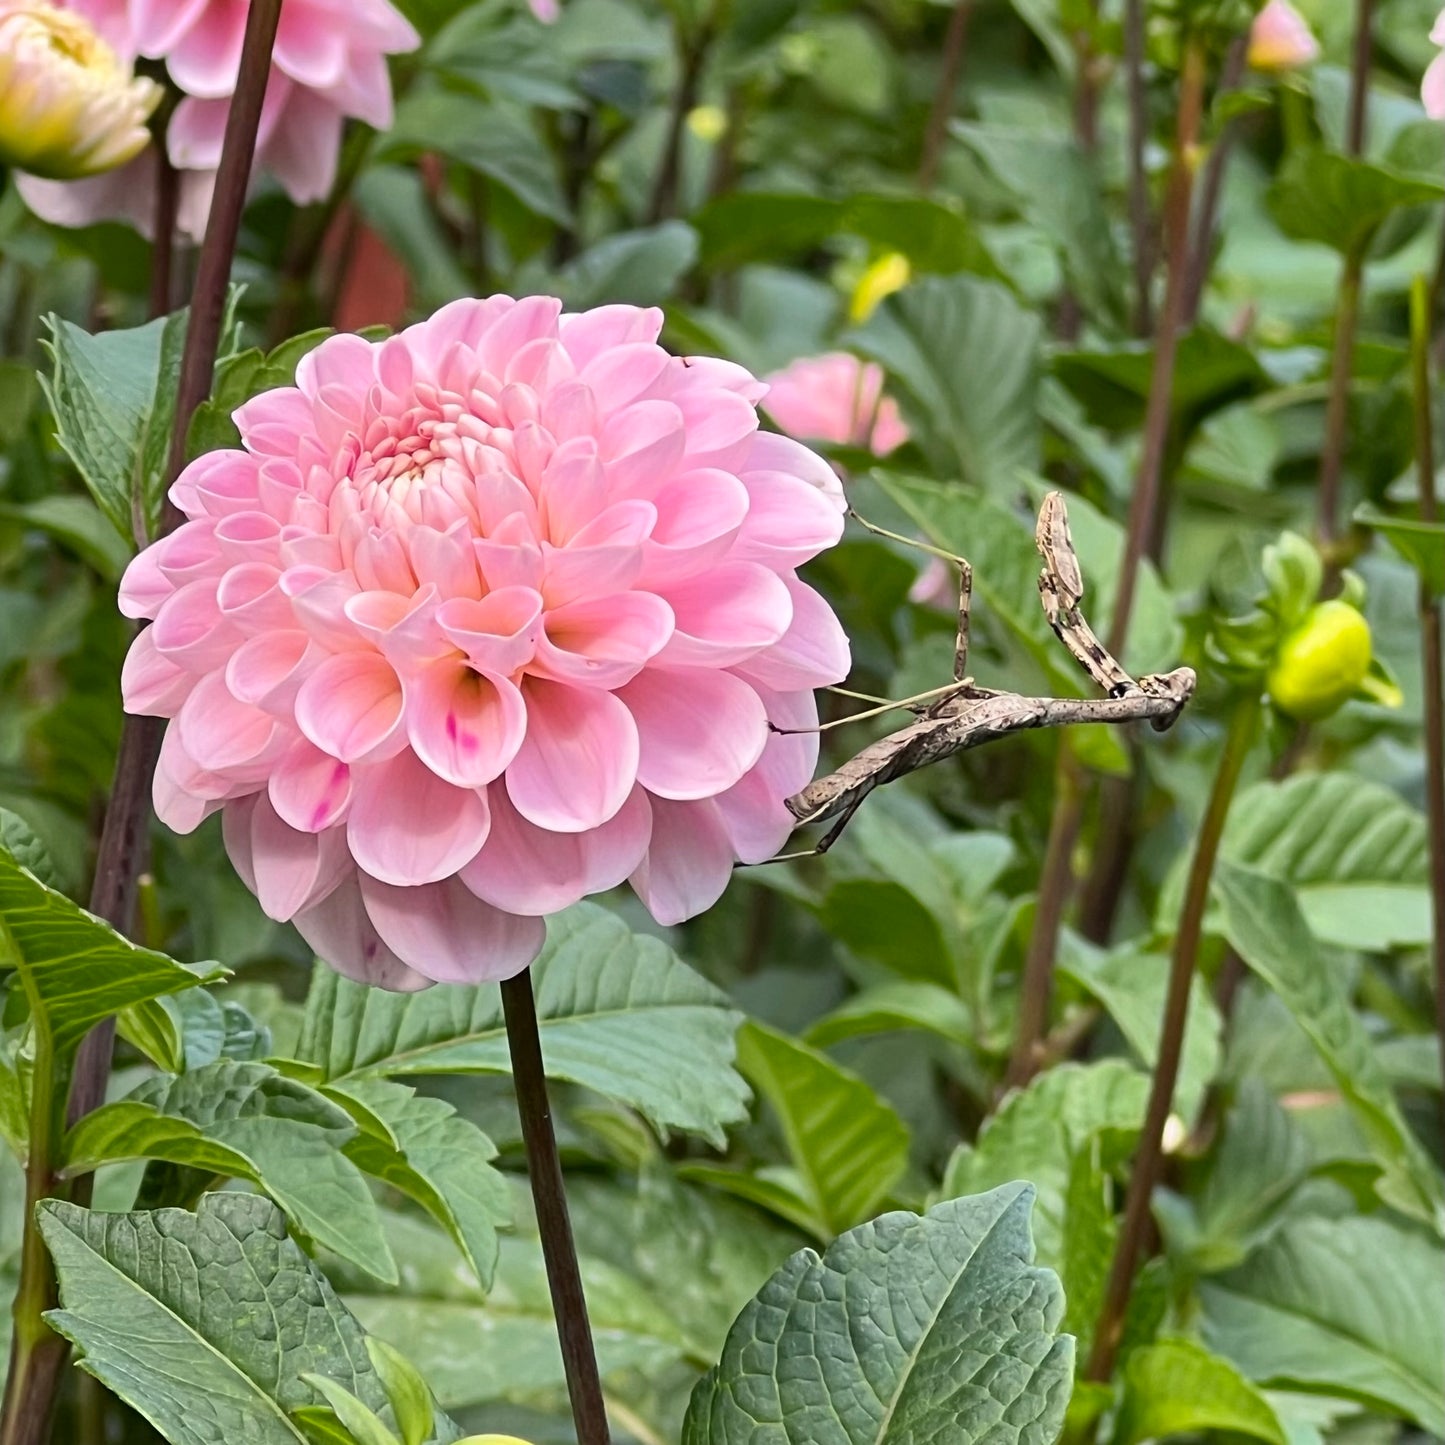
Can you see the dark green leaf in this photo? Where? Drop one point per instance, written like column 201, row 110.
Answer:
column 640, row 268
column 1421, row 544
column 1177, row 1387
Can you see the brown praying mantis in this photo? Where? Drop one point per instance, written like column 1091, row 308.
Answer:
column 962, row 715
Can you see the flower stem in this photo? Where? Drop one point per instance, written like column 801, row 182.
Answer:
column 1212, row 187
column 1430, row 642
column 936, row 132
column 1337, row 409
column 1147, row 1162
column 544, row 1169
column 1360, row 78
column 1141, row 219
column 692, row 50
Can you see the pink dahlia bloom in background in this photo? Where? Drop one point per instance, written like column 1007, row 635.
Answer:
column 835, row 398
column 1432, row 90
column 1280, row 39
column 485, row 618
column 329, row 63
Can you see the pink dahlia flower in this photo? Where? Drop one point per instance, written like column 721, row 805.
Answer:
column 1432, row 90
column 836, row 398
column 484, row 618
column 329, row 63
column 1280, row 39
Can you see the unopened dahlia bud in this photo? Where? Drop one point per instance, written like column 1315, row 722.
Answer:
column 1322, row 663
column 68, row 106
column 1281, row 39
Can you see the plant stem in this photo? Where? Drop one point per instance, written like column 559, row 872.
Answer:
column 1337, row 408
column 1430, row 643
column 544, row 1169
column 935, row 134
column 1144, row 504
column 1360, row 78
column 1054, row 886
column 1141, row 220
column 37, row 1354
column 163, row 243
column 1147, row 1162
column 692, row 55
column 1212, row 187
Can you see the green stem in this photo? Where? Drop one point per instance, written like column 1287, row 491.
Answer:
column 935, row 135
column 1147, row 1163
column 1337, row 409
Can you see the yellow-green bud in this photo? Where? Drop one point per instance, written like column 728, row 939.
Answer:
column 68, row 106
column 1322, row 663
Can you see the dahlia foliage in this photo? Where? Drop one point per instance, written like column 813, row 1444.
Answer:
column 484, row 618
column 329, row 63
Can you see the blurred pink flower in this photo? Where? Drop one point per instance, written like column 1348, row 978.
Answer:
column 487, row 617
column 835, row 398
column 329, row 63
column 1281, row 39
column 1432, row 89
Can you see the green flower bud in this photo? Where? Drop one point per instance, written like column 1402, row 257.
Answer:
column 1321, row 663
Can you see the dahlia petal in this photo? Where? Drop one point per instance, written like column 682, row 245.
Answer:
column 190, row 631
column 689, row 861
column 641, row 447
column 144, row 588
column 588, row 334
column 579, row 759
column 699, row 730
column 351, row 707
column 464, row 725
column 720, row 426
column 343, row 935
column 267, row 670
column 303, row 150
column 445, row 560
column 150, row 684
column 529, row 870
column 309, row 790
column 221, row 733
column 602, row 642
column 250, row 598
column 754, row 810
column 217, row 484
column 408, row 826
column 318, row 601
column 726, row 615
column 446, row 932
column 524, row 321
column 789, row 521
column 498, row 632
column 190, row 553
column 699, row 515
column 291, row 870
column 184, row 794
column 310, row 47
column 772, row 453
column 624, row 374
column 814, row 651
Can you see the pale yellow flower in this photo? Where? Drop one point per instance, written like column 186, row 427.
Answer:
column 889, row 273
column 69, row 107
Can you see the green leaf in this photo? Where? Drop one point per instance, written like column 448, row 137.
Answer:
column 204, row 1323
column 113, row 396
column 1349, row 1306
column 1354, row 852
column 1421, row 544
column 247, row 1121
column 361, row 1424
column 1177, row 1387
column 76, row 969
column 407, row 1391
column 981, row 420
column 847, row 1146
column 435, row 1157
column 888, row 1006
column 1264, row 925
column 238, row 379
column 1342, row 201
column 619, row 1012
column 496, row 139
column 640, row 268
column 19, row 840
column 749, row 226
column 1036, row 1133
column 76, row 523
column 910, row 1328
column 1131, row 986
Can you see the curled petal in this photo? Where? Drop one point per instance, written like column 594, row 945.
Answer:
column 288, row 870
column 726, row 615
column 499, row 632
column 309, row 789
column 688, row 863
column 466, row 726
column 343, row 935
column 603, row 642
column 351, row 707
column 814, row 651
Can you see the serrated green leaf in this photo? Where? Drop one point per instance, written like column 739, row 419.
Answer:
column 203, row 1323
column 1036, row 1133
column 75, row 968
column 1176, row 1387
column 1345, row 1307
column 619, row 1013
column 847, row 1146
column 1354, row 852
column 435, row 1157
column 247, row 1121
column 19, row 840
column 1342, row 201
column 910, row 1328
column 1264, row 925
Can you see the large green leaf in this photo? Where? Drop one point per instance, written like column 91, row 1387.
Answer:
column 845, row 1144
column 1342, row 201
column 910, row 1328
column 1421, row 544
column 1349, row 1306
column 1264, row 924
column 1176, row 1387
column 1037, row 1132
column 1355, row 853
column 113, row 396
column 247, row 1121
column 203, row 1323
column 76, row 969
column 640, row 268
column 620, row 1013
column 964, row 355
column 429, row 1152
